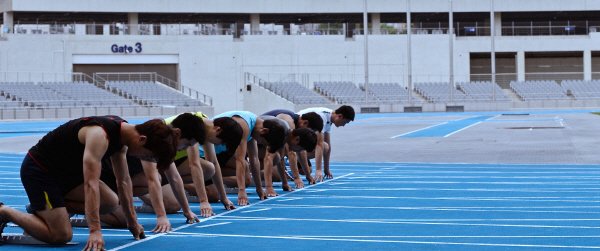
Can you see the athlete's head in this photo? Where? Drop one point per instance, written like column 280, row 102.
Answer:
column 311, row 120
column 229, row 132
column 160, row 139
column 304, row 138
column 191, row 127
column 343, row 115
column 274, row 133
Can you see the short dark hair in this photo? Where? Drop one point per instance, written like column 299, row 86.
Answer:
column 191, row 126
column 346, row 111
column 276, row 135
column 308, row 138
column 231, row 133
column 160, row 140
column 315, row 121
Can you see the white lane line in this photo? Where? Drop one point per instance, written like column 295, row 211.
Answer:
column 255, row 210
column 456, row 209
column 396, row 222
column 221, row 214
column 432, row 220
column 212, row 225
column 462, row 129
column 425, row 128
column 291, row 199
column 392, row 241
column 469, row 126
column 540, row 190
column 441, row 198
column 426, row 236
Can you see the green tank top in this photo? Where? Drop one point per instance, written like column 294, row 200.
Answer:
column 183, row 153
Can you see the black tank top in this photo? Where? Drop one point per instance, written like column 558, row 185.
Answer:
column 60, row 152
column 276, row 112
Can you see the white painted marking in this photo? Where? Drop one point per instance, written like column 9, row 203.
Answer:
column 316, row 191
column 425, row 128
column 289, row 199
column 462, row 129
column 256, row 210
column 391, row 241
column 222, row 214
column 408, row 222
column 212, row 225
column 459, row 209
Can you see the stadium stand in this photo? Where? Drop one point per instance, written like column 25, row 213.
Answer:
column 387, row 92
column 295, row 93
column 86, row 94
column 483, row 91
column 440, row 92
column 580, row 89
column 58, row 94
column 150, row 93
column 538, row 90
column 342, row 92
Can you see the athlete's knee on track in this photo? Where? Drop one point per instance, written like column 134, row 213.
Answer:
column 208, row 169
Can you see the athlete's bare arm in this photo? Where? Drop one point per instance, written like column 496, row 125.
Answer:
column 96, row 144
column 210, row 155
column 326, row 155
column 125, row 192
column 176, row 184
column 198, row 178
column 255, row 168
column 156, row 197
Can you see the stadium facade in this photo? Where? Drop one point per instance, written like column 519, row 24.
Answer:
column 232, row 51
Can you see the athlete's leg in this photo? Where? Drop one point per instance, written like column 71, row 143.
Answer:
column 48, row 225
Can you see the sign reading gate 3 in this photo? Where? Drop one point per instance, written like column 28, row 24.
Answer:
column 137, row 48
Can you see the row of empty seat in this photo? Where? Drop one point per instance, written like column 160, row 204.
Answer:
column 85, row 94
column 151, row 93
column 341, row 92
column 295, row 93
column 538, row 89
column 384, row 93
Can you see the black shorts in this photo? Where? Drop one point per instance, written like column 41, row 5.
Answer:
column 133, row 164
column 42, row 189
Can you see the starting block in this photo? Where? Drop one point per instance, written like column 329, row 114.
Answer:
column 27, row 240
column 83, row 223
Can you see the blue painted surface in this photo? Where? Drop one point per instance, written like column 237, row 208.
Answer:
column 446, row 128
column 383, row 206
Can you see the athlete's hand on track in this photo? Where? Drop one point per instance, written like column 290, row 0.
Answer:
column 310, row 179
column 261, row 193
column 286, row 187
column 138, row 231
column 162, row 225
column 299, row 183
column 191, row 217
column 228, row 204
column 242, row 198
column 319, row 176
column 328, row 175
column 271, row 192
column 95, row 242
column 205, row 209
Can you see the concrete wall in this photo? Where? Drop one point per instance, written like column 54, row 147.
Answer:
column 215, row 65
column 259, row 100
column 291, row 6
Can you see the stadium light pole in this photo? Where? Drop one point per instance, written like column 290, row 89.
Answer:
column 366, row 35
column 451, row 49
column 408, row 51
column 493, row 47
